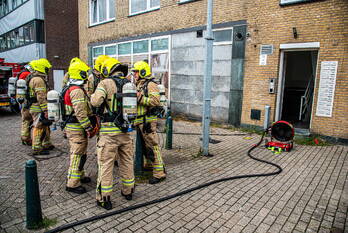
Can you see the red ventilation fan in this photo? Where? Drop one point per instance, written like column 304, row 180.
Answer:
column 282, row 135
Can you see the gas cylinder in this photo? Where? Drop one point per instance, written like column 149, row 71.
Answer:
column 21, row 90
column 53, row 105
column 11, row 91
column 163, row 98
column 129, row 101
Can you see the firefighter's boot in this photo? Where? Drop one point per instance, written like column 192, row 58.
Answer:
column 40, row 152
column 154, row 180
column 77, row 190
column 106, row 203
column 128, row 197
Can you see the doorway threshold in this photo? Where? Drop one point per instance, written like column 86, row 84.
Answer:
column 302, row 132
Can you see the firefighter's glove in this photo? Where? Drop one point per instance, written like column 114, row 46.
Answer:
column 44, row 119
column 147, row 128
column 91, row 132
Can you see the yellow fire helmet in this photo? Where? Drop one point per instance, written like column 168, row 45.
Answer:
column 99, row 62
column 42, row 65
column 111, row 65
column 75, row 59
column 143, row 68
column 78, row 70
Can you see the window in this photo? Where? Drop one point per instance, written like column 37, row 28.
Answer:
column 141, row 6
column 110, row 50
column 28, row 32
column 141, row 46
column 97, row 51
column 101, row 11
column 6, row 6
column 153, row 50
column 222, row 36
column 3, row 43
column 22, row 36
column 159, row 44
column 124, row 49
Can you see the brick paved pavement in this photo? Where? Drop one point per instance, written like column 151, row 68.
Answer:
column 310, row 195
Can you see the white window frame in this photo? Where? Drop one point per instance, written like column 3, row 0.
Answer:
column 148, row 9
column 109, row 45
column 108, row 19
column 224, row 42
column 95, row 47
column 131, row 54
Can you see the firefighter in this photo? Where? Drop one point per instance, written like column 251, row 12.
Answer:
column 37, row 104
column 78, row 127
column 114, row 142
column 95, row 77
column 148, row 104
column 66, row 75
column 27, row 120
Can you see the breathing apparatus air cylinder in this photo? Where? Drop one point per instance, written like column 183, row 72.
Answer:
column 53, row 105
column 11, row 91
column 129, row 101
column 21, row 91
column 163, row 98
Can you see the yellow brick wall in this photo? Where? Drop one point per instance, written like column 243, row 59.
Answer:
column 268, row 23
column 325, row 22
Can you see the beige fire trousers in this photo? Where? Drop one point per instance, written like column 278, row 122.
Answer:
column 153, row 150
column 111, row 147
column 78, row 155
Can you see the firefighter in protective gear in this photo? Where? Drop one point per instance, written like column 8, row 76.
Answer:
column 96, row 76
column 37, row 104
column 78, row 127
column 66, row 75
column 148, row 99
column 114, row 143
column 27, row 120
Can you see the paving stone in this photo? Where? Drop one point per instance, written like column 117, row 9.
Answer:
column 308, row 196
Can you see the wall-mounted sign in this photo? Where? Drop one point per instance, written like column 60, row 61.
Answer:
column 327, row 84
column 264, row 51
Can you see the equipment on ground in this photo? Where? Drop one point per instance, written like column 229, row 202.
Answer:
column 11, row 90
column 283, row 132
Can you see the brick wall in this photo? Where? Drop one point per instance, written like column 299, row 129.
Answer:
column 61, row 32
column 268, row 23
column 325, row 22
column 171, row 16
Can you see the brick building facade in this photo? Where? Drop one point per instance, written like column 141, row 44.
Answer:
column 257, row 44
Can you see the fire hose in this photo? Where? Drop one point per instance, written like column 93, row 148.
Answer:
column 137, row 206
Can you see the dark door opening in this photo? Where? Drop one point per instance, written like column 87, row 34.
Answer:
column 300, row 69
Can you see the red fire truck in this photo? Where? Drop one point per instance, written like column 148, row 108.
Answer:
column 7, row 70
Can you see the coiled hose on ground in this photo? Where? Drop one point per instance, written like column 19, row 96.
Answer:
column 137, row 206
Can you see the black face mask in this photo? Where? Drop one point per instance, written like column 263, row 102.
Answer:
column 83, row 75
column 47, row 70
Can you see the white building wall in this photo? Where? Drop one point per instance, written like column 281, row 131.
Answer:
column 25, row 54
column 33, row 9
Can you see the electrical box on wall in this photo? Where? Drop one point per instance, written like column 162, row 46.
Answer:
column 272, row 85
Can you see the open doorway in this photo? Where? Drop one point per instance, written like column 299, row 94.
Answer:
column 299, row 75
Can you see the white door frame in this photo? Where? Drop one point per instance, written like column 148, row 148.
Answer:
column 281, row 75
